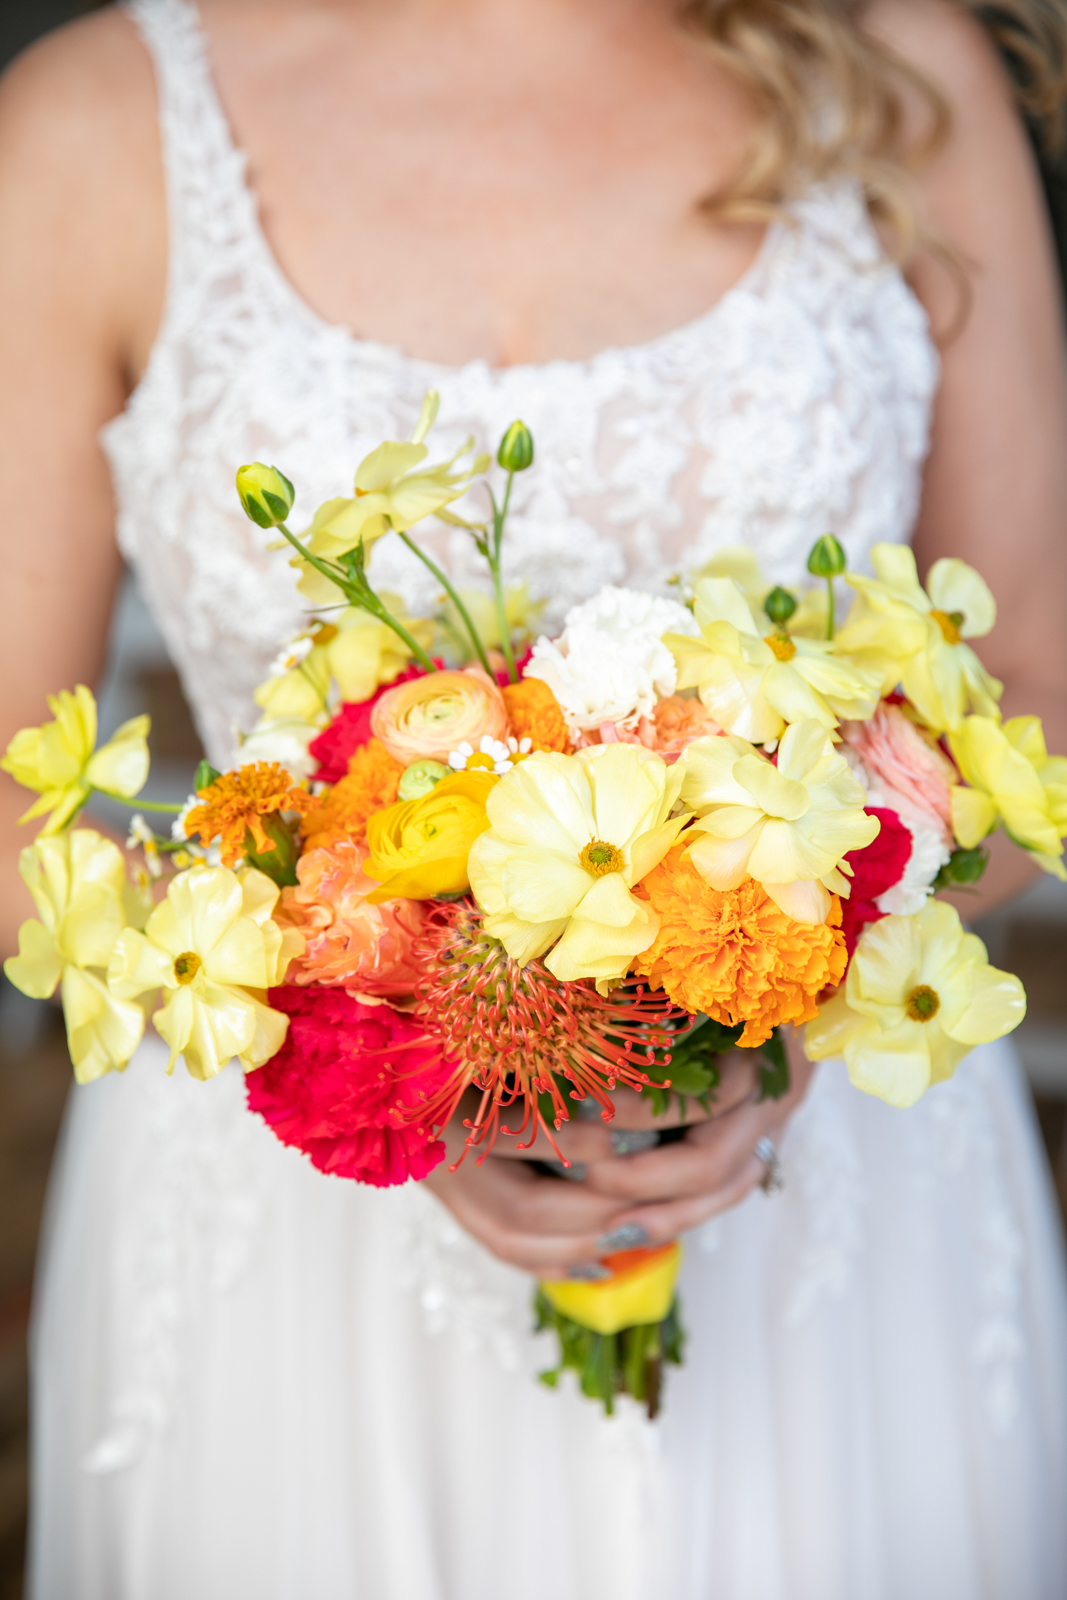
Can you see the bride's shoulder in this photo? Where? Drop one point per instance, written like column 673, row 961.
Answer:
column 947, row 44
column 81, row 180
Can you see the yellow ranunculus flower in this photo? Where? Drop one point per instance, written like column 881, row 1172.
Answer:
column 915, row 637
column 78, row 882
column 1013, row 780
column 419, row 848
column 919, row 995
column 755, row 684
column 641, row 1291
column 60, row 760
column 788, row 826
column 570, row 837
column 266, row 494
column 354, row 650
column 212, row 948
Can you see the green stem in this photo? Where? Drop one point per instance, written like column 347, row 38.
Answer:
column 366, row 601
column 499, row 517
column 464, row 614
column 140, row 805
column 830, row 612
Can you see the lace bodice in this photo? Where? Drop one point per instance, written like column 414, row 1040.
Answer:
column 798, row 403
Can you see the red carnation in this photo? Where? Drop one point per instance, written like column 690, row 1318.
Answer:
column 875, row 868
column 339, row 1087
column 351, row 728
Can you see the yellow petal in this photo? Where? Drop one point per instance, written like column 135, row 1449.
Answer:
column 102, row 1031
column 640, row 1293
column 973, row 815
column 137, row 966
column 37, row 968
column 523, row 941
column 953, row 586
column 121, row 765
column 803, row 900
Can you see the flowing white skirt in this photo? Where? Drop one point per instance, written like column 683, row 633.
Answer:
column 257, row 1383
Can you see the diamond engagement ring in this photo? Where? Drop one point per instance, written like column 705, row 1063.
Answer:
column 772, row 1181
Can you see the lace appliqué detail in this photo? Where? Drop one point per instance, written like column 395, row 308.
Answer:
column 461, row 1289
column 824, row 1171
column 191, row 1237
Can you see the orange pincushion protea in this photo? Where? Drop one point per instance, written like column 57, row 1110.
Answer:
column 233, row 805
column 370, row 785
column 534, row 714
column 733, row 954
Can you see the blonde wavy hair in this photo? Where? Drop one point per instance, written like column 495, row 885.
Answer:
column 797, row 58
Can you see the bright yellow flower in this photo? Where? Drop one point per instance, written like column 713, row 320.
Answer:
column 788, row 826
column 570, row 837
column 419, row 848
column 60, row 760
column 1013, row 780
column 754, row 684
column 915, row 637
column 214, row 951
column 78, row 882
column 354, row 651
column 640, row 1290
column 919, row 995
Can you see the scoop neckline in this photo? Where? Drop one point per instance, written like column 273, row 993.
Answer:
column 361, row 344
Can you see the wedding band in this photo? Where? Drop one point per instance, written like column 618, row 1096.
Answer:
column 772, row 1181
column 632, row 1141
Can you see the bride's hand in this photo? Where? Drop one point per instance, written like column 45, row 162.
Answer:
column 554, row 1229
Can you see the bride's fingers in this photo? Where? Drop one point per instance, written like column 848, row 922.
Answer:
column 709, row 1158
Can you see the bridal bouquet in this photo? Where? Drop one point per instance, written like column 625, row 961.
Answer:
column 461, row 871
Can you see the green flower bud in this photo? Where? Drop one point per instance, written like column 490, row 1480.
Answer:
column 827, row 559
column 417, row 780
column 779, row 606
column 266, row 494
column 516, row 451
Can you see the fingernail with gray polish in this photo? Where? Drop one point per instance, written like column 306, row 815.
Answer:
column 588, row 1272
column 631, row 1141
column 630, row 1236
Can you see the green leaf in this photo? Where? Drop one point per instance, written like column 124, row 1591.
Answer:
column 206, row 775
column 962, row 866
column 279, row 864
column 774, row 1069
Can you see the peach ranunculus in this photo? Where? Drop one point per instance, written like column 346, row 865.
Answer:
column 897, row 753
column 678, row 721
column 429, row 717
column 364, row 948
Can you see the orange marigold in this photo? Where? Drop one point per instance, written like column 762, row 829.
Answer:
column 232, row 806
column 370, row 785
column 534, row 714
column 733, row 954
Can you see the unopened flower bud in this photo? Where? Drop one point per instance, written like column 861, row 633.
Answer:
column 779, row 606
column 420, row 777
column 516, row 451
column 266, row 494
column 827, row 559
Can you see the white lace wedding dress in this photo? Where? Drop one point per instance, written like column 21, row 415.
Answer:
column 258, row 1383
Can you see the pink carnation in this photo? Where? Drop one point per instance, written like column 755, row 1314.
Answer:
column 364, row 948
column 896, row 754
column 344, row 1080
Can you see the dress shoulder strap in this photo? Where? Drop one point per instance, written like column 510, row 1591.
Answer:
column 211, row 210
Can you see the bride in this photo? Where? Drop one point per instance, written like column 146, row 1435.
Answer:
column 670, row 244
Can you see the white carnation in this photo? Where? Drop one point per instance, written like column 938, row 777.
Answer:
column 610, row 663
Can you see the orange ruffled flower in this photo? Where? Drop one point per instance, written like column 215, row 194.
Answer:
column 733, row 954
column 678, row 722
column 534, row 714
column 233, row 805
column 342, row 812
column 365, row 948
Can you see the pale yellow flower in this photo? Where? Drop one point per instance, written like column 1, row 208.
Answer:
column 787, row 826
column 739, row 561
column 915, row 637
column 569, row 838
column 1013, row 780
column 391, row 492
column 754, row 684
column 919, row 995
column 354, row 651
column 78, row 882
column 521, row 613
column 60, row 760
column 213, row 949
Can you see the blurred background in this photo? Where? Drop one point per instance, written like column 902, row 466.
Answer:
column 1029, row 938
